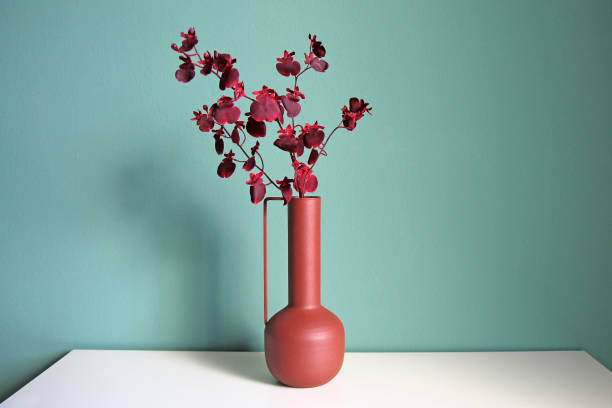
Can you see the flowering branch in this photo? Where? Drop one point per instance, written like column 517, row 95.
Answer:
column 266, row 106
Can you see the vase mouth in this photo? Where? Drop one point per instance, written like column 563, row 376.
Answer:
column 306, row 198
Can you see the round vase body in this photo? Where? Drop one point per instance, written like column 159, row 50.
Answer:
column 304, row 342
column 304, row 346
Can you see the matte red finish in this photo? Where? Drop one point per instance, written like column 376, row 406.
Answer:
column 304, row 342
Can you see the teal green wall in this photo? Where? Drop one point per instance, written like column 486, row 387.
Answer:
column 471, row 212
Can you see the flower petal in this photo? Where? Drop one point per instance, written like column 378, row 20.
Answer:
column 229, row 78
column 288, row 143
column 221, row 61
column 205, row 123
column 287, row 193
column 313, row 138
column 218, row 144
column 319, row 65
column 224, row 111
column 235, row 135
column 318, row 49
column 184, row 75
column 287, row 68
column 265, row 107
column 258, row 192
column 314, row 156
column 291, row 104
column 311, row 183
column 226, row 168
column 249, row 164
column 255, row 128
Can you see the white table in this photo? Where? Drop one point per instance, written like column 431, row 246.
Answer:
column 96, row 378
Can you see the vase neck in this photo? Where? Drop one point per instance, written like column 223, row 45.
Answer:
column 305, row 251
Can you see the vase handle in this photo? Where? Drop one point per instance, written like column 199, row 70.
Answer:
column 265, row 254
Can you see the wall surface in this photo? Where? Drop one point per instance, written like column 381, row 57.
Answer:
column 471, row 212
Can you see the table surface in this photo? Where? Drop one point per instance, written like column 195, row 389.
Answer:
column 122, row 378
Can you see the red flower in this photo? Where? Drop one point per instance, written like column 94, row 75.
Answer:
column 190, row 40
column 288, row 131
column 258, row 188
column 297, row 92
column 285, row 188
column 287, row 65
column 218, row 143
column 291, row 101
column 255, row 178
column 355, row 111
column 266, row 106
column 316, row 46
column 239, row 91
column 316, row 63
column 222, row 61
column 249, row 164
column 255, row 128
column 288, row 142
column 229, row 78
column 304, row 181
column 314, row 156
column 224, row 111
column 358, row 105
column 312, row 135
column 186, row 70
column 204, row 120
column 308, row 58
column 349, row 120
column 208, row 64
column 227, row 166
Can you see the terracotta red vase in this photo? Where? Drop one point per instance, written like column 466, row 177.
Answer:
column 304, row 342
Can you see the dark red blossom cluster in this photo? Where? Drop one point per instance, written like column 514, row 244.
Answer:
column 267, row 107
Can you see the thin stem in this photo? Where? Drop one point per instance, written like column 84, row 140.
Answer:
column 197, row 53
column 322, row 148
column 245, row 138
column 298, row 75
column 261, row 159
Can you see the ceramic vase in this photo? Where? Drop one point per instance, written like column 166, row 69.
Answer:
column 304, row 342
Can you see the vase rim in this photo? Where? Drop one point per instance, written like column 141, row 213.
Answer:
column 306, row 198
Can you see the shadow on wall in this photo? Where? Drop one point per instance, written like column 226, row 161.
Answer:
column 182, row 302
column 172, row 222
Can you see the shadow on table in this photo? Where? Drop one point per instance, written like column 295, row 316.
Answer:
column 250, row 366
column 37, row 365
